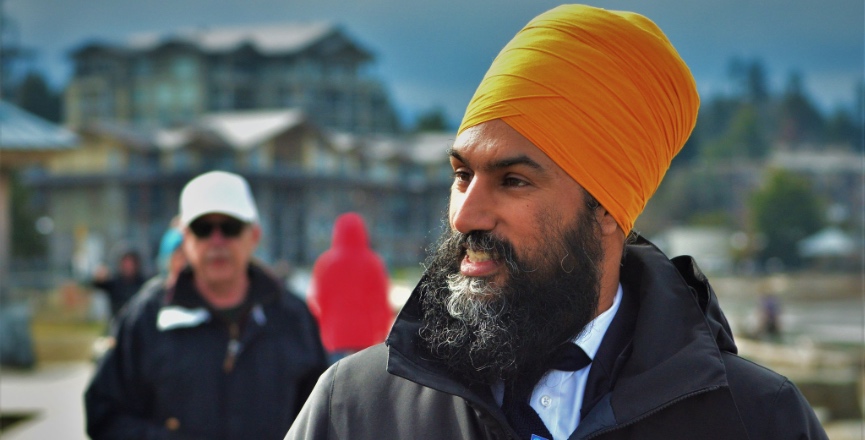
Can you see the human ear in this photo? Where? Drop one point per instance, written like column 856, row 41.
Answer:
column 606, row 222
column 256, row 234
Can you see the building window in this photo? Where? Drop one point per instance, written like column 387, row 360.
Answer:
column 115, row 160
column 163, row 95
column 184, row 68
column 218, row 160
column 182, row 161
column 143, row 67
column 188, row 95
column 244, row 98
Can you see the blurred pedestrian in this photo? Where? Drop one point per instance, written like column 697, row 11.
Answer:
column 126, row 282
column 171, row 259
column 169, row 262
column 770, row 317
column 541, row 315
column 283, row 270
column 349, row 291
column 223, row 353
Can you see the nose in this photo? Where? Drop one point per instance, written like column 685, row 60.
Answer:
column 216, row 236
column 472, row 209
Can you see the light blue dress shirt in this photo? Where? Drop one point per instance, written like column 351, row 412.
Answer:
column 558, row 397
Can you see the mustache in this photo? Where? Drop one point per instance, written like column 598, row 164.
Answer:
column 486, row 330
column 499, row 249
column 216, row 254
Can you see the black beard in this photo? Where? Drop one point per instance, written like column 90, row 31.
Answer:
column 491, row 332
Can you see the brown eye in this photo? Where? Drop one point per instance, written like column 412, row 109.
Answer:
column 461, row 176
column 514, row 182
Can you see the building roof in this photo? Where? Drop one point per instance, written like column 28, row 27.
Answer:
column 422, row 148
column 128, row 134
column 822, row 162
column 273, row 39
column 431, row 148
column 267, row 40
column 24, row 131
column 241, row 130
column 829, row 242
column 247, row 129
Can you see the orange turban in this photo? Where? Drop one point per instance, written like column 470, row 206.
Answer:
column 602, row 93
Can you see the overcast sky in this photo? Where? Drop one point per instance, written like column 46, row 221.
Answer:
column 433, row 53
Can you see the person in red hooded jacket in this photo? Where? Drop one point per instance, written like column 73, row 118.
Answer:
column 349, row 291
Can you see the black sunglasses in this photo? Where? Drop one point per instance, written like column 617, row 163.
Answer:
column 230, row 228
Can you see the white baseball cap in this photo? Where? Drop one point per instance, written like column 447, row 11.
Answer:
column 217, row 192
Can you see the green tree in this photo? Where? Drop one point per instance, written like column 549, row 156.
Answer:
column 799, row 119
column 26, row 241
column 749, row 77
column 745, row 137
column 842, row 127
column 695, row 195
column 432, row 120
column 689, row 152
column 34, row 95
column 715, row 116
column 747, row 133
column 785, row 211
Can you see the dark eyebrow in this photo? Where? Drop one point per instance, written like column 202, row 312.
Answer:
column 453, row 153
column 503, row 163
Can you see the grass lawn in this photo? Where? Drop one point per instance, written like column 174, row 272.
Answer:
column 64, row 341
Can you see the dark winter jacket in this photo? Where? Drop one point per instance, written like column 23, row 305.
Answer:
column 119, row 290
column 677, row 377
column 174, row 374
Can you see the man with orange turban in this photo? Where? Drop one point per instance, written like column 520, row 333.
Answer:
column 541, row 315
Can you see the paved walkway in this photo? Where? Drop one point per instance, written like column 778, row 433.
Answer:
column 53, row 393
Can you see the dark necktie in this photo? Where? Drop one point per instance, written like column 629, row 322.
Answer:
column 521, row 416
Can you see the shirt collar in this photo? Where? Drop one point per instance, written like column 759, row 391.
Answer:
column 590, row 339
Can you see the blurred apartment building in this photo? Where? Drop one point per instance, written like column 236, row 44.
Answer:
column 158, row 80
column 292, row 108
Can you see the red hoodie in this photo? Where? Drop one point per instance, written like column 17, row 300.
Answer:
column 349, row 290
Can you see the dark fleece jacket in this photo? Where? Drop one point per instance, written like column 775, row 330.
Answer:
column 678, row 377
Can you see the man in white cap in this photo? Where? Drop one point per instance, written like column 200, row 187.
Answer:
column 224, row 353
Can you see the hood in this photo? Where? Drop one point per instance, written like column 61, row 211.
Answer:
column 349, row 232
column 707, row 300
column 679, row 333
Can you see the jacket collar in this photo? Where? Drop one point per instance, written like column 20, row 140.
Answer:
column 184, row 306
column 674, row 352
column 666, row 362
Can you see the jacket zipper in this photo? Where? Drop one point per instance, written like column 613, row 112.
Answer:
column 232, row 349
column 650, row 413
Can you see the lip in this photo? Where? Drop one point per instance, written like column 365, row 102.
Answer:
column 479, row 269
column 217, row 260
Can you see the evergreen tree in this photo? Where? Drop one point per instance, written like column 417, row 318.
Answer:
column 745, row 137
column 432, row 120
column 34, row 95
column 689, row 152
column 26, row 241
column 715, row 116
column 750, row 81
column 799, row 119
column 842, row 128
